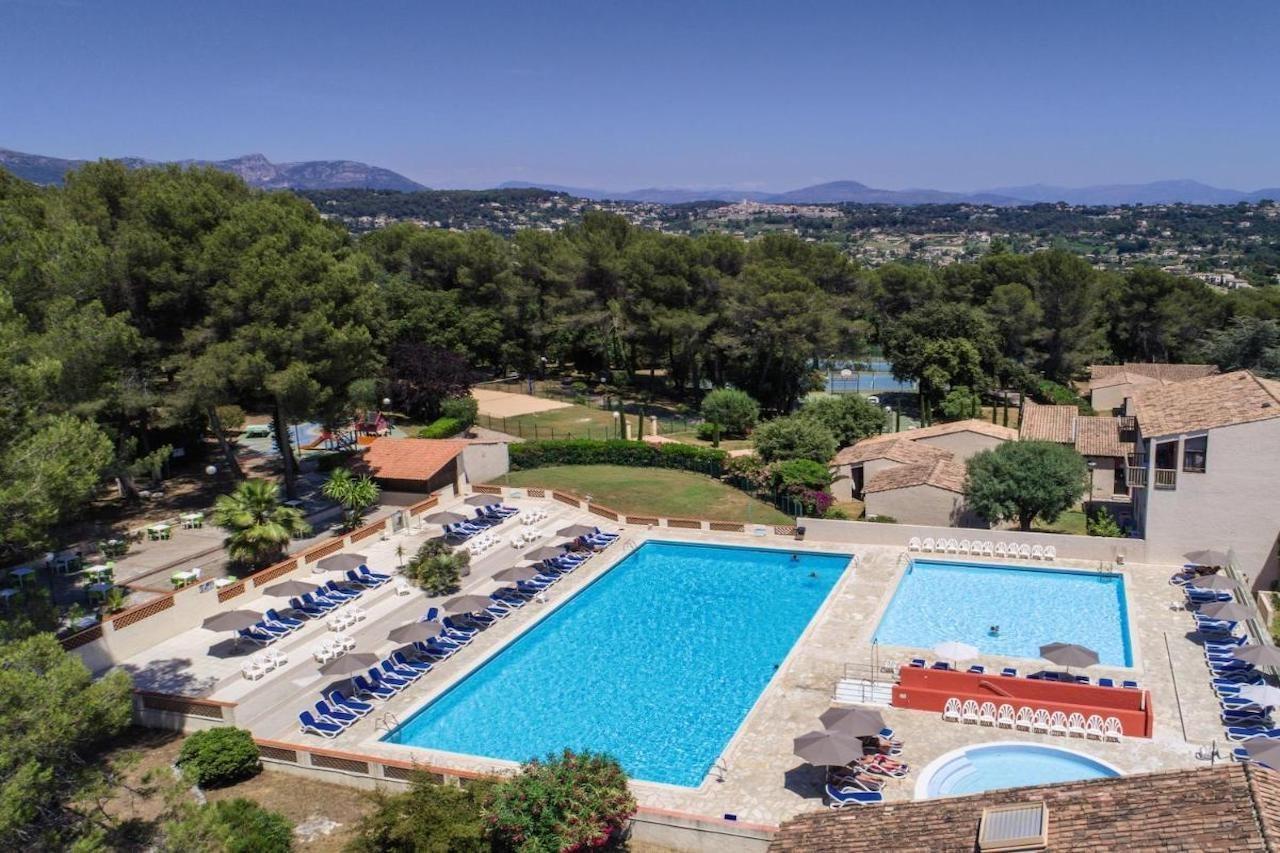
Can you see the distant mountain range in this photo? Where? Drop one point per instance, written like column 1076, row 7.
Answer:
column 835, row 192
column 256, row 170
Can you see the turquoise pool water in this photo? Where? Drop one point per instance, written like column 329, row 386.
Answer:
column 657, row 662
column 1008, row 765
column 938, row 601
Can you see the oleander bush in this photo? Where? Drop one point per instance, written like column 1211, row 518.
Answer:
column 219, row 756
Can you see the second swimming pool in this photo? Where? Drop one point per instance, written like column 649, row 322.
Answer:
column 937, row 602
column 657, row 662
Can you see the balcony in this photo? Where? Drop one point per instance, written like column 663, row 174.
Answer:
column 1136, row 477
column 1166, row 478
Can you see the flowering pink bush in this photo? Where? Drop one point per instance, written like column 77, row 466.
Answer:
column 570, row 802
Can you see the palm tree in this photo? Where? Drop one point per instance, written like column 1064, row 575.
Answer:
column 258, row 527
column 355, row 493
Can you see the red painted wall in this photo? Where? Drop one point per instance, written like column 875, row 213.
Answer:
column 929, row 690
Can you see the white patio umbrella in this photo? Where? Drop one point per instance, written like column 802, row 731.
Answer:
column 955, row 652
column 1262, row 695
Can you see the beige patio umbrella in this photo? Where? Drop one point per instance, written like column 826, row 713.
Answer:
column 1230, row 611
column 1258, row 655
column 1215, row 582
column 342, row 562
column 856, row 722
column 467, row 604
column 829, row 748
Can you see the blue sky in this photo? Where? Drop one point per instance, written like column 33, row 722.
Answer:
column 950, row 95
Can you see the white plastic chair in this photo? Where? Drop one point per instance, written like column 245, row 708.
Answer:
column 250, row 670
column 987, row 714
column 969, row 712
column 402, row 587
column 1058, row 724
column 913, row 544
column 1037, row 552
column 988, row 549
column 926, row 544
column 1050, row 552
column 965, row 545
column 1112, row 730
column 323, row 653
column 1004, row 717
column 1002, row 550
column 346, row 641
column 1024, row 551
column 1075, row 724
column 1022, row 722
column 277, row 657
column 951, row 711
column 1040, row 721
column 1093, row 727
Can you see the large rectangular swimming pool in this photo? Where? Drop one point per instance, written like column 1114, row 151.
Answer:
column 657, row 662
column 938, row 601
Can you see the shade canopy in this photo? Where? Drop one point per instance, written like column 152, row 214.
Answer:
column 575, row 530
column 516, row 573
column 415, row 632
column 342, row 562
column 1221, row 582
column 546, row 552
column 1208, row 557
column 1263, row 750
column 349, row 664
column 232, row 620
column 829, row 748
column 1258, row 655
column 483, row 500
column 288, row 589
column 1262, row 695
column 1068, row 654
column 857, row 722
column 444, row 518
column 955, row 651
column 1232, row 611
column 467, row 604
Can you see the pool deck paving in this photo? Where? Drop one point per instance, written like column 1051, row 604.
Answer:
column 757, row 778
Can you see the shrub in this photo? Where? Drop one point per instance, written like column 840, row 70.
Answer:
column 227, row 826
column 734, row 410
column 428, row 817
column 632, row 454
column 835, row 513
column 231, row 417
column 1103, row 523
column 706, row 431
column 331, row 460
column 849, row 417
column 881, row 519
column 1048, row 391
column 794, row 437
column 220, row 756
column 441, row 428
column 1023, row 480
column 437, row 568
column 462, row 409
column 569, row 802
column 796, row 474
column 960, row 403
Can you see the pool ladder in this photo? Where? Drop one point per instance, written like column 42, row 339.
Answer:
column 387, row 721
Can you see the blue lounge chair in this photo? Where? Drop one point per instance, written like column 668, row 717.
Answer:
column 356, row 580
column 1246, row 732
column 404, row 662
column 405, row 674
column 1009, row 672
column 275, row 631
column 604, row 534
column 332, row 591
column 917, row 663
column 256, row 637
column 432, row 615
column 531, row 589
column 499, row 609
column 355, row 706
column 318, row 601
column 340, row 716
column 379, row 679
column 941, row 664
column 366, row 572
column 453, row 628
column 286, row 621
column 1082, row 679
column 977, row 669
column 366, row 686
column 318, row 727
column 435, row 651
column 308, row 610
column 841, row 797
column 456, row 531
column 1106, row 682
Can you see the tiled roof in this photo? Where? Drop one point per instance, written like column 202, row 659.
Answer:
column 1137, row 372
column 972, row 425
column 1048, row 423
column 898, row 450
column 944, row 473
column 410, row 458
column 1214, row 401
column 1091, row 435
column 1230, row 807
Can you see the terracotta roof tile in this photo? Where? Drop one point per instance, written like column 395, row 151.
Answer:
column 1137, row 372
column 972, row 425
column 1099, row 435
column 1230, row 807
column 1048, row 423
column 409, row 458
column 898, row 450
column 1214, row 401
column 945, row 473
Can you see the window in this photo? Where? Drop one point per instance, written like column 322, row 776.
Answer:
column 1194, row 452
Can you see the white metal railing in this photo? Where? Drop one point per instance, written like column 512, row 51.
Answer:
column 1166, row 478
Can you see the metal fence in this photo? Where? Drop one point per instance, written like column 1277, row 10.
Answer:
column 530, row 427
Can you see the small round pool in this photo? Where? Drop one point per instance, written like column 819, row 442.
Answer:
column 1006, row 764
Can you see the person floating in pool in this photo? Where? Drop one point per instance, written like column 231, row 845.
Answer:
column 994, row 630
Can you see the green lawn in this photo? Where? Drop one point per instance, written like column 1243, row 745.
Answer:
column 1072, row 521
column 652, row 491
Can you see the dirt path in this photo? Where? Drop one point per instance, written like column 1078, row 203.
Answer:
column 503, row 404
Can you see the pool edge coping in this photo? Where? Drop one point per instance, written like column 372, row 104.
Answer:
column 920, row 793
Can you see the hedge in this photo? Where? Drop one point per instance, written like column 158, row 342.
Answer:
column 441, row 428
column 633, row 454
